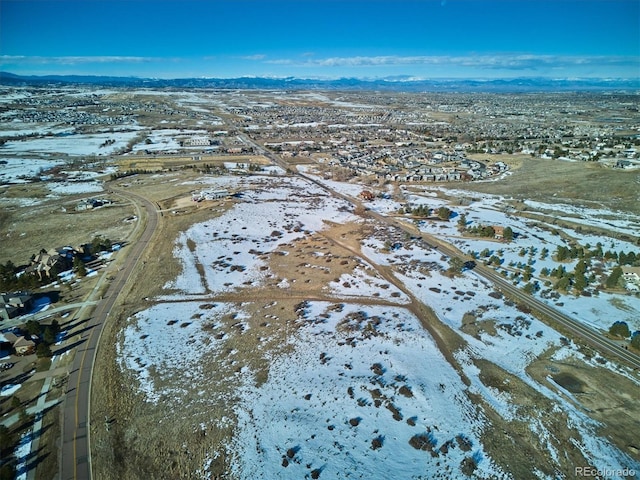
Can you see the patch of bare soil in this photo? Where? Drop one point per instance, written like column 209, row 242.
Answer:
column 27, row 230
column 513, row 443
column 473, row 326
column 584, row 183
column 310, row 263
column 606, row 395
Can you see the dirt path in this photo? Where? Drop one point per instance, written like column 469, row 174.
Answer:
column 446, row 339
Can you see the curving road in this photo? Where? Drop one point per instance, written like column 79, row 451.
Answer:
column 76, row 454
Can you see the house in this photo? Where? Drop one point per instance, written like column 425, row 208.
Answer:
column 210, row 195
column 91, row 203
column 631, row 274
column 48, row 264
column 24, row 346
column 20, row 344
column 14, row 304
column 84, row 205
column 367, row 195
column 199, row 142
column 498, row 231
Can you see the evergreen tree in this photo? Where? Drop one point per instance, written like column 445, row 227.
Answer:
column 620, row 329
column 562, row 253
column 43, row 350
column 455, row 264
column 488, row 231
column 444, row 213
column 614, row 278
column 507, row 234
column 33, row 328
column 462, row 222
column 563, row 284
column 48, row 336
column 79, row 267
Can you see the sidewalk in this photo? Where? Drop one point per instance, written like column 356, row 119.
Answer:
column 34, row 410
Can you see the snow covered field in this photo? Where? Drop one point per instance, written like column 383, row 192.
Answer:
column 20, row 170
column 261, row 222
column 597, row 310
column 77, row 144
column 363, row 391
column 361, row 396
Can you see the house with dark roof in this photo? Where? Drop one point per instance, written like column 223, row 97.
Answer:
column 14, row 304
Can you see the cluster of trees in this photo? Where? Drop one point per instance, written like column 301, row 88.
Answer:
column 620, row 329
column 209, row 169
column 576, row 280
column 614, row 278
column 47, row 335
column 486, row 230
column 129, row 173
column 576, row 251
column 254, row 167
column 424, row 211
column 98, row 244
column 482, row 231
column 7, row 445
column 11, row 281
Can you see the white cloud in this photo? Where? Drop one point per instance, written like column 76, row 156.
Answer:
column 74, row 60
column 257, row 56
column 509, row 62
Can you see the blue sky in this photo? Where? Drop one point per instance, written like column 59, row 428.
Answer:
column 322, row 38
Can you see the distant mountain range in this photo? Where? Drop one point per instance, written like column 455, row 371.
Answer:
column 406, row 84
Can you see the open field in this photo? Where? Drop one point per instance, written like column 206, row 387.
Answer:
column 219, row 338
column 568, row 182
column 155, row 163
column 26, row 233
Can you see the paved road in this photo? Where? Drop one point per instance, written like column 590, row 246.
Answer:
column 575, row 327
column 549, row 314
column 76, row 456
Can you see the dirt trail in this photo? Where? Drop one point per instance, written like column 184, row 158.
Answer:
column 446, row 339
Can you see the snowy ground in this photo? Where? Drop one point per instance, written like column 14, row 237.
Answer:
column 363, row 385
column 76, row 144
column 597, row 310
column 231, row 244
column 20, row 170
column 351, row 397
